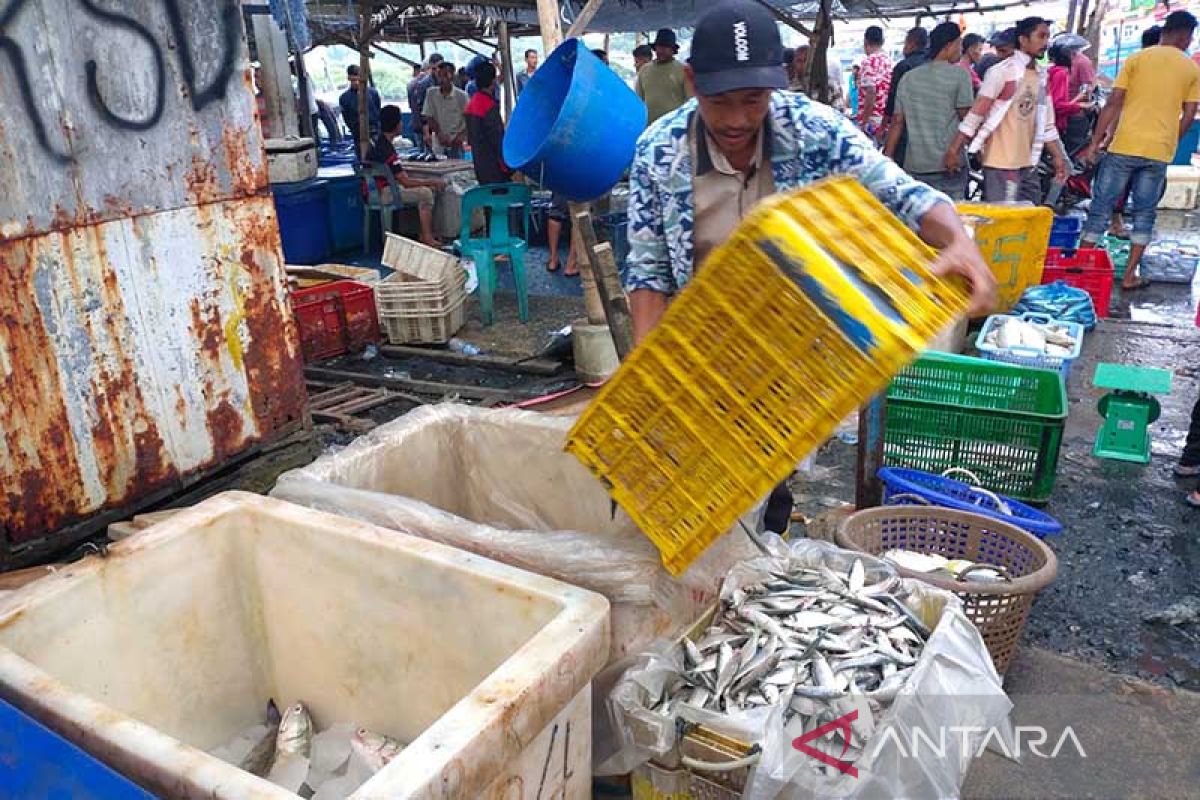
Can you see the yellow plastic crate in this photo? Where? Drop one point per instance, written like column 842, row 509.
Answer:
column 818, row 299
column 1013, row 240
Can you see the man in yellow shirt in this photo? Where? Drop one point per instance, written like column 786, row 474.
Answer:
column 1153, row 103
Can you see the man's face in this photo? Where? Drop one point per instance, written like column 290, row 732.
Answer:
column 909, row 48
column 1003, row 51
column 445, row 77
column 639, row 62
column 733, row 119
column 355, row 80
column 664, row 52
column 800, row 59
column 975, row 53
column 531, row 61
column 1035, row 45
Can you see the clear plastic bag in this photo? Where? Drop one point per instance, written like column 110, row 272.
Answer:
column 953, row 696
column 497, row 482
column 1058, row 301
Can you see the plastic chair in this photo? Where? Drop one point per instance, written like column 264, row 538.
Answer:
column 375, row 199
column 498, row 198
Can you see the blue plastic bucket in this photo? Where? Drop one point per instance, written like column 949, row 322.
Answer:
column 303, row 211
column 575, row 124
column 1187, row 146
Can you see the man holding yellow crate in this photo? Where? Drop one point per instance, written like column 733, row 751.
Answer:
column 699, row 170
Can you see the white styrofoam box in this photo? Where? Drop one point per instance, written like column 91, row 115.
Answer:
column 173, row 643
column 292, row 159
column 1183, row 188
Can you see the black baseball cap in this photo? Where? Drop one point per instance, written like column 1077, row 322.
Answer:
column 736, row 45
column 1004, row 38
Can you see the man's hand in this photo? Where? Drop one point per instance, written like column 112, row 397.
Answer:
column 1088, row 154
column 952, row 161
column 941, row 228
column 963, row 258
column 1061, row 170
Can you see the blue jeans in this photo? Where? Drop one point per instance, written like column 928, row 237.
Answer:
column 1147, row 180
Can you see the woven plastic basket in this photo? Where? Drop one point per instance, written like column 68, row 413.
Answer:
column 999, row 610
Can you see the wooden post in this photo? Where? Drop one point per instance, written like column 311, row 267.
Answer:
column 608, row 281
column 585, row 17
column 510, row 78
column 868, row 491
column 818, row 60
column 364, row 72
column 549, row 24
column 306, row 120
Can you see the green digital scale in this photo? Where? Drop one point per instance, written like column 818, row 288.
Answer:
column 1128, row 409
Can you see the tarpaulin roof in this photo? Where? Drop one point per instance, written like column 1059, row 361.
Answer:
column 414, row 22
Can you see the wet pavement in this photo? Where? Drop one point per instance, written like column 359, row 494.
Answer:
column 1130, row 546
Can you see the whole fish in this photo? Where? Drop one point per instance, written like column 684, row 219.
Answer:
column 376, row 750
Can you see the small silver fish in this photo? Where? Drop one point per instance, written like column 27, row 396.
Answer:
column 258, row 760
column 376, row 750
column 295, row 733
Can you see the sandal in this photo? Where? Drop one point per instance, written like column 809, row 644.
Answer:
column 1193, row 499
column 1142, row 283
column 1189, row 471
column 552, row 266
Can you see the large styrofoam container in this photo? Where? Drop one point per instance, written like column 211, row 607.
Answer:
column 1183, row 188
column 173, row 643
column 498, row 483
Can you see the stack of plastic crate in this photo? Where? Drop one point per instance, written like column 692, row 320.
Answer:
column 424, row 299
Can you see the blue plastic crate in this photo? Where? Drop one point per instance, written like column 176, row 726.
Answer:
column 1027, row 356
column 913, row 487
column 1064, row 233
column 345, row 212
column 36, row 762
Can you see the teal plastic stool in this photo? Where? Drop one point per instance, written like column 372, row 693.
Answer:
column 498, row 198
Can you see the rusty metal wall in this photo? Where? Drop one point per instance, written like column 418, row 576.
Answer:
column 145, row 335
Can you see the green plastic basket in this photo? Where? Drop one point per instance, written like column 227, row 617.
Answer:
column 1000, row 421
column 1118, row 251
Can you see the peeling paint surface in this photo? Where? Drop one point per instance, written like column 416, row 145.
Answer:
column 145, row 335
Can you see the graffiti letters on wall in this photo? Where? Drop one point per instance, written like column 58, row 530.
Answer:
column 200, row 92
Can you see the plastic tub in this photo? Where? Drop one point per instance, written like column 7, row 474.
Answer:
column 497, row 482
column 575, row 124
column 1188, row 145
column 38, row 763
column 345, row 212
column 303, row 211
column 173, row 643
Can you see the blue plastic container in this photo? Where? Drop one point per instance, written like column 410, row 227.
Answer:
column 1028, row 356
column 303, row 211
column 1187, row 146
column 36, row 762
column 912, row 487
column 1064, row 233
column 345, row 212
column 575, row 124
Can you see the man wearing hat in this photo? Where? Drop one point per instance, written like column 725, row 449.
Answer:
column 1004, row 44
column 660, row 83
column 697, row 171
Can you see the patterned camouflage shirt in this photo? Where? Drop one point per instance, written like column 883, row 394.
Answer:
column 809, row 141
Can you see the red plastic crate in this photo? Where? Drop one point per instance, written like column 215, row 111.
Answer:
column 1089, row 269
column 335, row 318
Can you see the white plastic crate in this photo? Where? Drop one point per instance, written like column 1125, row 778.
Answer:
column 1028, row 356
column 1170, row 261
column 424, row 326
column 413, row 260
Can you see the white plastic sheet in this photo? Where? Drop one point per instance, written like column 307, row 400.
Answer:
column 954, row 697
column 497, row 482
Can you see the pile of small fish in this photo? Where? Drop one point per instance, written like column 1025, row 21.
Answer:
column 288, row 751
column 958, row 569
column 1052, row 338
column 817, row 643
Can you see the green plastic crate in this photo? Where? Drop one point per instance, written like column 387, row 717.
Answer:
column 1000, row 421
